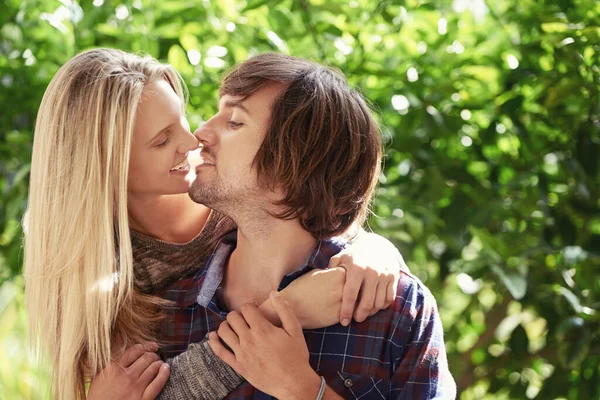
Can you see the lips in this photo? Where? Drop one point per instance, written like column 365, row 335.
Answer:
column 182, row 166
column 205, row 158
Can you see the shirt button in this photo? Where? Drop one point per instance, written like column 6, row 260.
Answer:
column 348, row 383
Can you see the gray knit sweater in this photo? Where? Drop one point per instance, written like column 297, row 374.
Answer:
column 197, row 373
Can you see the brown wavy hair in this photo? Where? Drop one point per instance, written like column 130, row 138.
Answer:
column 322, row 147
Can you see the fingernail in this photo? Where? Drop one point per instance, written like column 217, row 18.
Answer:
column 166, row 366
column 345, row 322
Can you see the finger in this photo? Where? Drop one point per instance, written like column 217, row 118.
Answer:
column 229, row 336
column 350, row 296
column 139, row 366
column 343, row 259
column 157, row 384
column 220, row 351
column 150, row 373
column 391, row 290
column 367, row 299
column 380, row 296
column 289, row 321
column 134, row 352
column 335, row 261
column 237, row 323
column 254, row 318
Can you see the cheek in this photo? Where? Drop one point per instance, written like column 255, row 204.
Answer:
column 135, row 175
column 145, row 169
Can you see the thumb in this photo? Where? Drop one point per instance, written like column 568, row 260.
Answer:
column 289, row 321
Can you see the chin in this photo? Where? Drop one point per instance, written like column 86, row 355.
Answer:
column 195, row 191
column 205, row 194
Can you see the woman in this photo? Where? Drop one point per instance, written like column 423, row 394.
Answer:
column 108, row 200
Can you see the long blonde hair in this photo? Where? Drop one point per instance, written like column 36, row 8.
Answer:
column 78, row 256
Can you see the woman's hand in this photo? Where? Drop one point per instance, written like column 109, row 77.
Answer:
column 272, row 359
column 138, row 374
column 372, row 265
column 315, row 298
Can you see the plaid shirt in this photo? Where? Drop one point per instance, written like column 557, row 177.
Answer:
column 398, row 353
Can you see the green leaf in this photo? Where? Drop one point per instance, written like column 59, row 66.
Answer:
column 519, row 342
column 491, row 244
column 10, row 230
column 189, row 42
column 571, row 298
column 8, row 291
column 515, row 282
column 554, row 27
column 12, row 32
column 178, row 59
column 253, row 4
column 573, row 339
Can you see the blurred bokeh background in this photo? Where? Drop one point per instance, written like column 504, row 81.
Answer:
column 491, row 117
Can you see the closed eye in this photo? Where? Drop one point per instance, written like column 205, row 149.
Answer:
column 234, row 124
column 166, row 141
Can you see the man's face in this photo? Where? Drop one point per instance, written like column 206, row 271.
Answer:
column 226, row 178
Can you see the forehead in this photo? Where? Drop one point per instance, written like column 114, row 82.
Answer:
column 158, row 107
column 259, row 103
column 159, row 94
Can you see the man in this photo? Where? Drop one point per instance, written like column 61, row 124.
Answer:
column 293, row 156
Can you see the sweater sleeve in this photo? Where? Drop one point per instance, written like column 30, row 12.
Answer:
column 198, row 373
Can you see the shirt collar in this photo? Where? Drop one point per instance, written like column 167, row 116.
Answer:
column 215, row 267
column 186, row 292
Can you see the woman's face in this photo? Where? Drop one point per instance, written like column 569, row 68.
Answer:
column 161, row 142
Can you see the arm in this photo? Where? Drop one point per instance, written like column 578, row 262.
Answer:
column 139, row 374
column 422, row 371
column 370, row 266
column 199, row 374
column 323, row 287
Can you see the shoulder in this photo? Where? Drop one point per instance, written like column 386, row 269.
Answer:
column 420, row 360
column 412, row 294
column 414, row 311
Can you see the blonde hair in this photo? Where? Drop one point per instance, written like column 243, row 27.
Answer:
column 78, row 256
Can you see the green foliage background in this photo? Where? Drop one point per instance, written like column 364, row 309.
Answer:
column 490, row 111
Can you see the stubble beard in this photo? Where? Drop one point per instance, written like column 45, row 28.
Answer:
column 211, row 195
column 245, row 205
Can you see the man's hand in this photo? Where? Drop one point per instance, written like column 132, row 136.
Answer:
column 272, row 359
column 138, row 374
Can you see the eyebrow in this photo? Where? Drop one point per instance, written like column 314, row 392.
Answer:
column 163, row 130
column 236, row 104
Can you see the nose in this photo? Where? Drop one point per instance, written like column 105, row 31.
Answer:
column 190, row 143
column 205, row 134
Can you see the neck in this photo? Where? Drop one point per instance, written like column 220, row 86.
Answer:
column 270, row 251
column 172, row 218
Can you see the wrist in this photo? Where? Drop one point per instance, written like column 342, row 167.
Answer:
column 304, row 387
